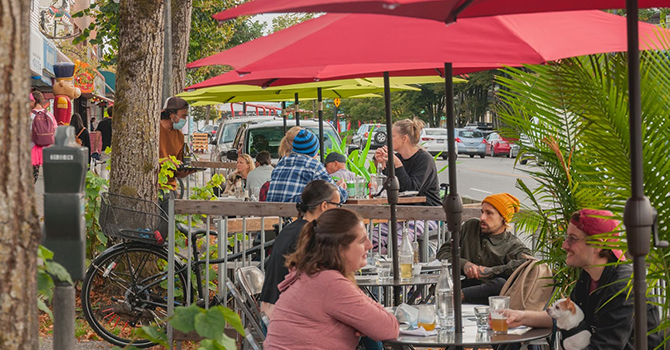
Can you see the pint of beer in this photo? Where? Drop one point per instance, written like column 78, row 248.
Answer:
column 498, row 320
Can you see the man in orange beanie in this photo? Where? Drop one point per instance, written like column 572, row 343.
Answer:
column 489, row 251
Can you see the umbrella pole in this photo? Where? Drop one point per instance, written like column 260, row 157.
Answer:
column 297, row 110
column 393, row 187
column 283, row 114
column 319, row 94
column 453, row 204
column 638, row 213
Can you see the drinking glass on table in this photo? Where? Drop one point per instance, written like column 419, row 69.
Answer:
column 498, row 320
column 426, row 316
column 384, row 270
column 482, row 314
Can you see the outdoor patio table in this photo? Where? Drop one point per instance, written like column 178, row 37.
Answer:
column 373, row 281
column 373, row 201
column 469, row 338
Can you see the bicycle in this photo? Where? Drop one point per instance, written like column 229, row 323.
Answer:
column 125, row 287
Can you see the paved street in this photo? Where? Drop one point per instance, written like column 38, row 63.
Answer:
column 477, row 178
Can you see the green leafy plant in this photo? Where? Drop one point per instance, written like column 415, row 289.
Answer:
column 575, row 116
column 47, row 269
column 357, row 159
column 96, row 241
column 208, row 324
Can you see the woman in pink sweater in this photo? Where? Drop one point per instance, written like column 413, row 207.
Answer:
column 320, row 306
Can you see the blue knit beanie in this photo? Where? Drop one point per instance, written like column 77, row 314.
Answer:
column 305, row 143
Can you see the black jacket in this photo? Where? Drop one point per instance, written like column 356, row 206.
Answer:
column 611, row 323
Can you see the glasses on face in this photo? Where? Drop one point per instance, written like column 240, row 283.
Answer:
column 339, row 205
column 570, row 240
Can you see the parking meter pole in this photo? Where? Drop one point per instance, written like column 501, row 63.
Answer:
column 320, row 103
column 453, row 204
column 392, row 189
column 65, row 165
column 64, row 306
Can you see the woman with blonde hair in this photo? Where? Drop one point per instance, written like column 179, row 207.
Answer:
column 320, row 306
column 286, row 144
column 238, row 178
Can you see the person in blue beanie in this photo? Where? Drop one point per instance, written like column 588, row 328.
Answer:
column 296, row 170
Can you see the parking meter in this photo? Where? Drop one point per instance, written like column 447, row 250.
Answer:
column 65, row 166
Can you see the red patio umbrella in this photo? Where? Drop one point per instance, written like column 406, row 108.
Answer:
column 440, row 10
column 639, row 215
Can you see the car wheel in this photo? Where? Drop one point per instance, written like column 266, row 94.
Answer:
column 380, row 137
column 523, row 161
column 483, row 155
column 472, row 156
column 445, row 156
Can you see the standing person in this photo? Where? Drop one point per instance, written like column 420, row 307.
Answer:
column 238, row 178
column 317, row 197
column 91, row 124
column 336, row 165
column 261, row 174
column 171, row 139
column 297, row 169
column 105, row 128
column 320, row 306
column 37, row 107
column 414, row 167
column 600, row 290
column 489, row 251
column 81, row 134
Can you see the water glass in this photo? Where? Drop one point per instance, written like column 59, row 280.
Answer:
column 255, row 194
column 384, row 270
column 498, row 319
column 482, row 314
column 426, row 316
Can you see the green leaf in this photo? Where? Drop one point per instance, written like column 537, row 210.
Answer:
column 43, row 307
column 45, row 284
column 210, row 324
column 44, row 253
column 233, row 319
column 152, row 333
column 57, row 270
column 184, row 318
column 210, row 344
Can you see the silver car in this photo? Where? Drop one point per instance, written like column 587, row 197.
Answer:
column 227, row 131
column 434, row 141
column 470, row 142
column 378, row 138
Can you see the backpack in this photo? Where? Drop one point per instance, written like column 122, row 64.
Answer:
column 43, row 129
column 76, row 138
column 530, row 286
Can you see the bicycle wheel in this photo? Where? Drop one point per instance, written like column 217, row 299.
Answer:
column 126, row 288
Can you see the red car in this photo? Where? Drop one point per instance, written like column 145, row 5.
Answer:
column 496, row 144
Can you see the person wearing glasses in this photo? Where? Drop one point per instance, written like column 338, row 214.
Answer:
column 317, row 197
column 321, row 306
column 490, row 252
column 601, row 289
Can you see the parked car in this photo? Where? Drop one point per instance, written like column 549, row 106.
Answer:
column 228, row 129
column 470, row 142
column 379, row 135
column 210, row 130
column 496, row 144
column 266, row 136
column 434, row 141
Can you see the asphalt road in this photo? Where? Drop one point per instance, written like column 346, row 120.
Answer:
column 477, row 177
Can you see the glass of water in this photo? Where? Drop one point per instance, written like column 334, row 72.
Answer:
column 482, row 315
column 384, row 270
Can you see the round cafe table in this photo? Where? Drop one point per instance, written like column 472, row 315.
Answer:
column 470, row 337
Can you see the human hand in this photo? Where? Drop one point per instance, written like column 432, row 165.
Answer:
column 471, row 270
column 342, row 183
column 515, row 318
column 381, row 156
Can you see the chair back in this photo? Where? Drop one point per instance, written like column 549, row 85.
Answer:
column 251, row 278
column 251, row 317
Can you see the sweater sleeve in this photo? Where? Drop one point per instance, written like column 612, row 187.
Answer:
column 515, row 258
column 347, row 304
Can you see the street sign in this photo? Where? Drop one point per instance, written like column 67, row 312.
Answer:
column 337, row 102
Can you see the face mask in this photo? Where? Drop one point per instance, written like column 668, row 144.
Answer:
column 178, row 125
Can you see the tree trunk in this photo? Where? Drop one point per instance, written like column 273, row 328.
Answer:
column 19, row 229
column 181, row 32
column 134, row 168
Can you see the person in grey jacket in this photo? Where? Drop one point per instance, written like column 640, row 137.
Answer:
column 489, row 251
column 261, row 174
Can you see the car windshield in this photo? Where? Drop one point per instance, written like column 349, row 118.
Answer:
column 381, row 128
column 229, row 131
column 470, row 134
column 436, row 132
column 268, row 139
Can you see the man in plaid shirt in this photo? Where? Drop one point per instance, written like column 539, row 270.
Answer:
column 296, row 170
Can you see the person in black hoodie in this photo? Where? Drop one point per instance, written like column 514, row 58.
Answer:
column 600, row 290
column 81, row 134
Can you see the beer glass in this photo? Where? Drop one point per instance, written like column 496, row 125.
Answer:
column 498, row 320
